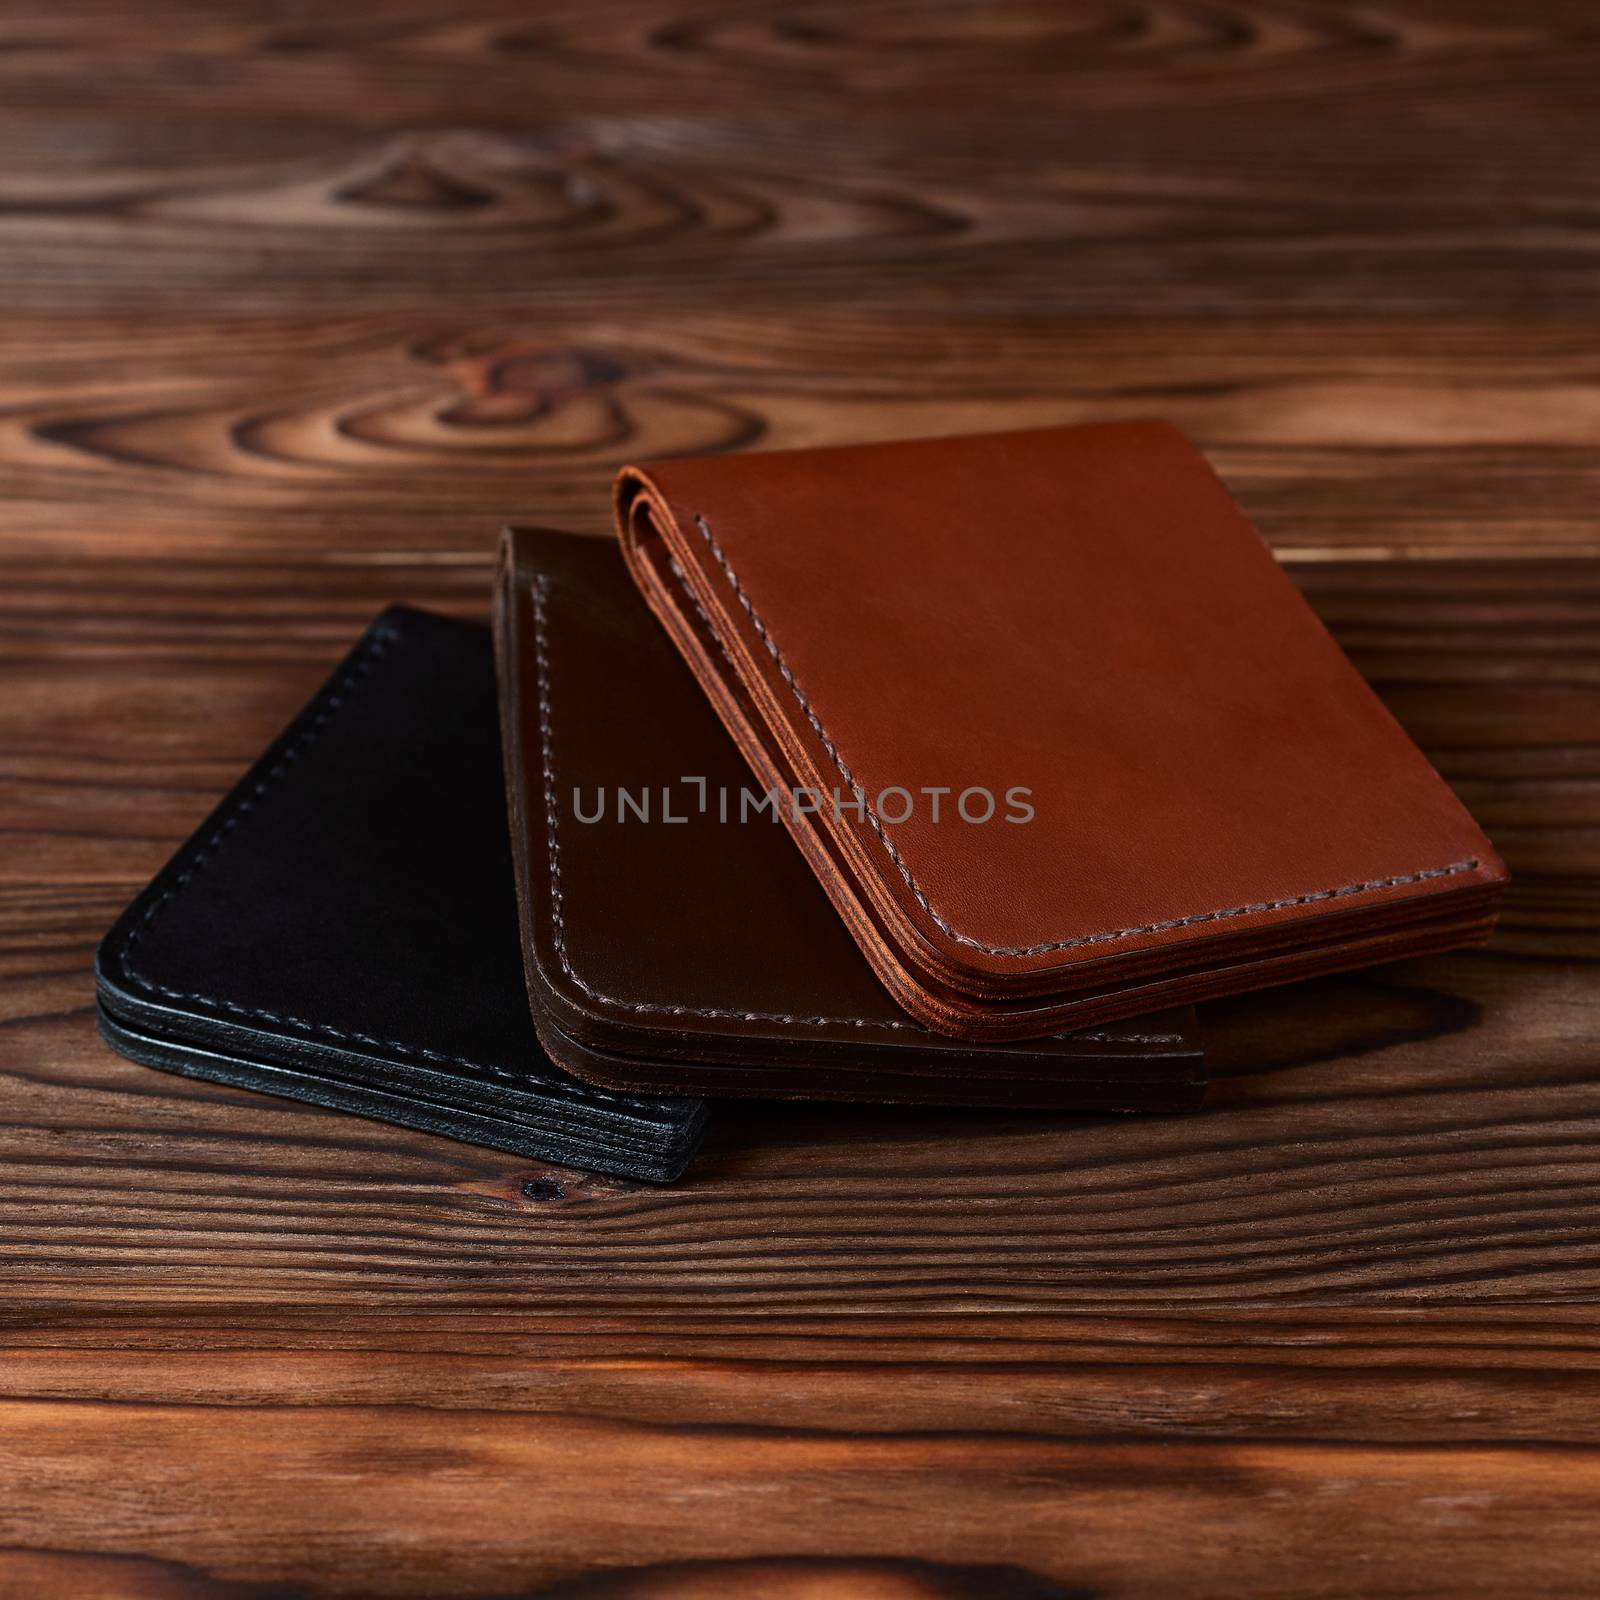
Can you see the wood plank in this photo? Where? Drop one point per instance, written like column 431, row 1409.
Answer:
column 1015, row 1456
column 1262, row 157
column 489, row 1503
column 1490, row 1374
column 365, row 438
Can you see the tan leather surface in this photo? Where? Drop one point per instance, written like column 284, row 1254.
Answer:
column 700, row 956
column 1219, row 799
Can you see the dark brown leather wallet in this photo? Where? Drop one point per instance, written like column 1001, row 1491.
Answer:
column 673, row 939
column 1161, row 780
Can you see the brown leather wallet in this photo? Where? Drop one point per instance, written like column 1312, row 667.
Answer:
column 1161, row 780
column 673, row 939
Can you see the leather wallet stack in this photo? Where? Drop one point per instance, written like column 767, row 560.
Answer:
column 1061, row 748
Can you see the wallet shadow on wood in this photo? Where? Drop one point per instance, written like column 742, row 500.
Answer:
column 1332, row 1019
column 748, row 1128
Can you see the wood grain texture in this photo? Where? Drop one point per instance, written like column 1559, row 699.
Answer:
column 298, row 304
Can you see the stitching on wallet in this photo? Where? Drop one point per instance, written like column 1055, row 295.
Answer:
column 1053, row 944
column 540, row 588
column 371, row 649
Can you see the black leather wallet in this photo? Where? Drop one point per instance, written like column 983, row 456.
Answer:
column 343, row 928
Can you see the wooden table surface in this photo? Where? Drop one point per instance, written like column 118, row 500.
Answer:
column 299, row 302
